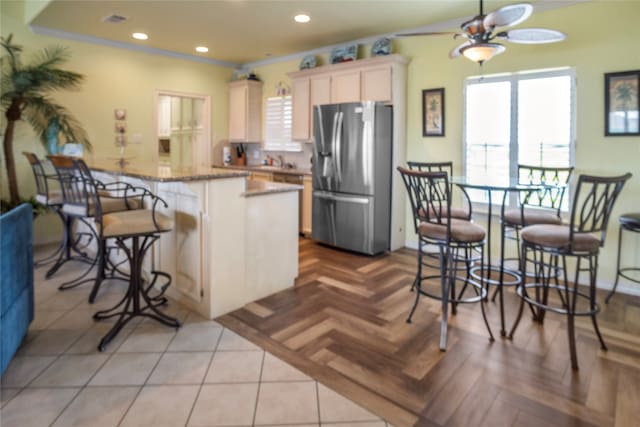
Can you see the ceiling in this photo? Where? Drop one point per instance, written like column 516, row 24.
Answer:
column 247, row 31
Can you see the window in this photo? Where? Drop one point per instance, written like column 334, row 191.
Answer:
column 525, row 118
column 278, row 112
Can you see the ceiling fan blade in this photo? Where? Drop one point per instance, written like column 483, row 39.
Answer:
column 455, row 52
column 428, row 33
column 508, row 16
column 532, row 35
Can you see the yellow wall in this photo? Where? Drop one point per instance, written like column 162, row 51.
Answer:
column 602, row 38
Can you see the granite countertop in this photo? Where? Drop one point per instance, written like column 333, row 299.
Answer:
column 163, row 173
column 271, row 169
column 258, row 187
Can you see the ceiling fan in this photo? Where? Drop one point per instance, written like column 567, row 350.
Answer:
column 481, row 30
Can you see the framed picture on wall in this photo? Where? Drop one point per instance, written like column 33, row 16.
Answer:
column 433, row 112
column 622, row 103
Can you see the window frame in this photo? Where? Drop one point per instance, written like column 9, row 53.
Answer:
column 513, row 79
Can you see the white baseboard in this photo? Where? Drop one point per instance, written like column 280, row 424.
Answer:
column 623, row 288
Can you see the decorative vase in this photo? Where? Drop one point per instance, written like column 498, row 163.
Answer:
column 52, row 136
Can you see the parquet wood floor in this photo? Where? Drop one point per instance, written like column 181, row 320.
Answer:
column 344, row 325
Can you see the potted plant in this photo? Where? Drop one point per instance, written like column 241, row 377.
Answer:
column 25, row 96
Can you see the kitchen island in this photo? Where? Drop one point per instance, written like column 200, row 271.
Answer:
column 234, row 240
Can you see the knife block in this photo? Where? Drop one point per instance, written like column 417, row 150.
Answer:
column 241, row 160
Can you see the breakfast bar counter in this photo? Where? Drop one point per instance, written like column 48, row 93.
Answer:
column 234, row 240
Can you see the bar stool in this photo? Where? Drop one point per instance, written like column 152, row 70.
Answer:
column 85, row 199
column 580, row 239
column 134, row 231
column 430, row 192
column 629, row 222
column 51, row 198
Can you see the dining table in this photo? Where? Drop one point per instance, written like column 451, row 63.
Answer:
column 498, row 189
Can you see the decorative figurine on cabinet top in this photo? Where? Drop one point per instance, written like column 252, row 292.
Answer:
column 381, row 47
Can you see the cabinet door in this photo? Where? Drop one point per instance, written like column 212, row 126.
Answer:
column 319, row 94
column 345, row 87
column 300, row 128
column 376, row 84
column 306, row 206
column 238, row 113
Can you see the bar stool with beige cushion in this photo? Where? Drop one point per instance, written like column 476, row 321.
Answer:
column 84, row 200
column 628, row 222
column 429, row 192
column 134, row 231
column 545, row 245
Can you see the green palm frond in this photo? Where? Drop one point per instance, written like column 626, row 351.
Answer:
column 38, row 111
column 12, row 50
column 50, row 57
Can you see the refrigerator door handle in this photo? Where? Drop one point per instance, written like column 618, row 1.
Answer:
column 333, row 197
column 338, row 153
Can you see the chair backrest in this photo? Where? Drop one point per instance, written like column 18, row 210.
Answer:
column 79, row 192
column 593, row 203
column 429, row 194
column 42, row 185
column 432, row 167
column 556, row 180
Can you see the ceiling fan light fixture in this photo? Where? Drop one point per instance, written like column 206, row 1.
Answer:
column 482, row 52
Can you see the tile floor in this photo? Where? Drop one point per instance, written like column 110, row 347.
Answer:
column 152, row 375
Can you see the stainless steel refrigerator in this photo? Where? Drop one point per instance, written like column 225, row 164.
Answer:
column 352, row 176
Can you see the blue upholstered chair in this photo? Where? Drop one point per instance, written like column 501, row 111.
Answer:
column 16, row 280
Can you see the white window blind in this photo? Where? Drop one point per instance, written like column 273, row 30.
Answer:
column 278, row 118
column 524, row 118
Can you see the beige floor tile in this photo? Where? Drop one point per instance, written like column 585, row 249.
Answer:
column 275, row 369
column 50, row 342
column 6, row 394
column 126, row 369
column 172, row 309
column 148, row 339
column 287, row 403
column 88, row 343
column 98, row 407
column 232, row 341
column 42, row 319
column 70, row 370
column 356, row 424
column 196, row 337
column 79, row 318
column 22, row 370
column 36, row 407
column 181, row 368
column 336, row 408
column 161, row 406
column 61, row 301
column 235, row 367
column 225, row 405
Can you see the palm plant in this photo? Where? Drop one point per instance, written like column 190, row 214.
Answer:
column 24, row 95
column 624, row 94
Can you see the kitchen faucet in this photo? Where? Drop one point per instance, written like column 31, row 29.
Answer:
column 280, row 161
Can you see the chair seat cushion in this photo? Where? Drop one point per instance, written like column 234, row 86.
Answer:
column 461, row 231
column 55, row 198
column 557, row 237
column 134, row 222
column 631, row 219
column 531, row 217
column 108, row 204
column 458, row 213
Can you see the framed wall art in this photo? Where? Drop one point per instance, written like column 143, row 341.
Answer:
column 433, row 112
column 622, row 103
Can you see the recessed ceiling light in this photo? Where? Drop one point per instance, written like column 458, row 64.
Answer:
column 302, row 18
column 140, row 36
column 202, row 49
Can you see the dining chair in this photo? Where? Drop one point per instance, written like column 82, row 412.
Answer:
column 547, row 247
column 430, row 192
column 540, row 206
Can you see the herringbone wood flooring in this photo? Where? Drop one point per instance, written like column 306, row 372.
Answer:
column 344, row 324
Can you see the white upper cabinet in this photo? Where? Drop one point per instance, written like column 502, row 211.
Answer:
column 245, row 111
column 369, row 79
